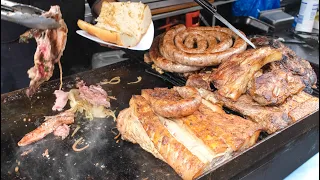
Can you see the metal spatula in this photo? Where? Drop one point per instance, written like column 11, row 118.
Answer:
column 26, row 15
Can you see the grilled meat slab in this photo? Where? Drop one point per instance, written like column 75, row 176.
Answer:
column 272, row 118
column 189, row 144
column 226, row 131
column 274, row 87
column 50, row 46
column 291, row 62
column 233, row 75
column 159, row 140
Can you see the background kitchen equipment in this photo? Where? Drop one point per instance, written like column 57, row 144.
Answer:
column 250, row 25
column 277, row 18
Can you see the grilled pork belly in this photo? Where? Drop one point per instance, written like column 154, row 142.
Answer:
column 50, row 46
column 189, row 144
column 233, row 75
column 146, row 129
column 274, row 87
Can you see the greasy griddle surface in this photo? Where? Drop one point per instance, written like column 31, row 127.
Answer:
column 104, row 159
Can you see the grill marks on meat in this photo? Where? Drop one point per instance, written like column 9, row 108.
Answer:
column 176, row 102
column 274, row 87
column 189, row 144
column 50, row 46
column 232, row 76
column 51, row 123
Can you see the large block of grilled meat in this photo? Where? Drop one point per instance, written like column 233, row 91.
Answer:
column 233, row 75
column 291, row 62
column 192, row 143
column 274, row 87
column 272, row 118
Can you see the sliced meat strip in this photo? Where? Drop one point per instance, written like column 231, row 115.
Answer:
column 51, row 123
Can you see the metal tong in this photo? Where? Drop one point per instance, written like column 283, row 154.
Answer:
column 26, row 15
column 207, row 6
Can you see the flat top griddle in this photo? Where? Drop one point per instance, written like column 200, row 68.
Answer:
column 105, row 158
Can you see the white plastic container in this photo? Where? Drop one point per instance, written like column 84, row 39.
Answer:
column 307, row 13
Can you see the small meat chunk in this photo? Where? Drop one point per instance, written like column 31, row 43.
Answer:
column 61, row 100
column 94, row 94
column 62, row 131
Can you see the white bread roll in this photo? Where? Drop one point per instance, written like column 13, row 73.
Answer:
column 122, row 23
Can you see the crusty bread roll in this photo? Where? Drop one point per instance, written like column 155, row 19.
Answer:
column 121, row 23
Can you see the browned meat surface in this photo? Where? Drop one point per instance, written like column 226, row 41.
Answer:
column 160, row 140
column 271, row 118
column 220, row 131
column 51, row 123
column 233, row 75
column 201, row 80
column 291, row 62
column 300, row 106
column 189, row 144
column 183, row 50
column 50, row 46
column 274, row 87
column 175, row 102
column 163, row 63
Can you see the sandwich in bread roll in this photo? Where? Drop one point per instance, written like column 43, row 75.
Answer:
column 121, row 23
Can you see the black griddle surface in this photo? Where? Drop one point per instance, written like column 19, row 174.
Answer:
column 104, row 159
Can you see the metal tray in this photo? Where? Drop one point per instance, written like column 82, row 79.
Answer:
column 105, row 158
